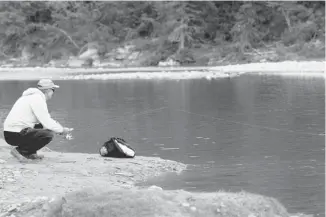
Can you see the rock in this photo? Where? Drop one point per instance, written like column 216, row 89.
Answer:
column 84, row 172
column 169, row 62
column 119, row 57
column 46, row 149
column 53, row 208
column 185, row 204
column 38, row 199
column 74, row 62
column 91, row 53
column 88, row 62
column 133, row 55
column 109, row 64
column 124, row 174
column 193, row 209
column 2, row 161
column 120, row 50
column 11, row 180
column 96, row 63
column 154, row 187
column 300, row 215
column 13, row 207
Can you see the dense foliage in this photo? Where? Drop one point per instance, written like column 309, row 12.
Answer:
column 56, row 30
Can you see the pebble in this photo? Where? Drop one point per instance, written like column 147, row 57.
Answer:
column 125, row 174
column 2, row 161
column 193, row 208
column 154, row 187
column 46, row 149
column 185, row 204
column 11, row 180
column 84, row 172
column 38, row 199
column 17, row 173
column 13, row 207
column 54, row 206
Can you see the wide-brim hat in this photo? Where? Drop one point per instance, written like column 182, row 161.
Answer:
column 46, row 84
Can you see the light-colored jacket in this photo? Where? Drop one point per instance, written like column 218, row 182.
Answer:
column 28, row 110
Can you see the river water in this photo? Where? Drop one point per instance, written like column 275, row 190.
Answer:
column 261, row 134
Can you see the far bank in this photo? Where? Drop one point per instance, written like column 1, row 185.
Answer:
column 294, row 68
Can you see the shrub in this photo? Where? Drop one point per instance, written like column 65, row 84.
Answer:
column 302, row 32
column 184, row 57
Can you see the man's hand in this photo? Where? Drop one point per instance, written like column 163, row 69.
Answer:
column 66, row 133
column 67, row 130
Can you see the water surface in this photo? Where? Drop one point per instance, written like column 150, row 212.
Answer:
column 262, row 134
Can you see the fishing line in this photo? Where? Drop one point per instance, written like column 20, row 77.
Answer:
column 149, row 111
column 124, row 118
column 253, row 125
column 135, row 115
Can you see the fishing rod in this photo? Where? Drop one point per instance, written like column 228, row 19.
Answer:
column 69, row 136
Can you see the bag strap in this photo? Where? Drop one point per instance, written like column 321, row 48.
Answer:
column 119, row 139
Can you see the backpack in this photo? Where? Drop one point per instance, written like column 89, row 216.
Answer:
column 117, row 148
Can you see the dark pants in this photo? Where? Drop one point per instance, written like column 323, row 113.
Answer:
column 29, row 140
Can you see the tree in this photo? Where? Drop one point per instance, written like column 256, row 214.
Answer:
column 55, row 29
column 287, row 9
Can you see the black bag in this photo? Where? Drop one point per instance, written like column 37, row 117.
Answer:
column 118, row 148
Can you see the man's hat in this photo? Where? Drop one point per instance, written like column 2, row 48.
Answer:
column 46, row 84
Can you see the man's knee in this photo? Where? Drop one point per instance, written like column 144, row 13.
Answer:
column 49, row 134
column 46, row 136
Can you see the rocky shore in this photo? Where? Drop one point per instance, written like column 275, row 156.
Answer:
column 294, row 68
column 61, row 173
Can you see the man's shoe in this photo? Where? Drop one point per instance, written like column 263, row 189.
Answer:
column 35, row 157
column 21, row 158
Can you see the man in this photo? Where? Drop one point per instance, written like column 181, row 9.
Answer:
column 29, row 125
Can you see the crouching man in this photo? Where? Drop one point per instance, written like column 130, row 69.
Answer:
column 29, row 126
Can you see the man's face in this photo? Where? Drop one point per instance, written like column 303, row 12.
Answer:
column 49, row 94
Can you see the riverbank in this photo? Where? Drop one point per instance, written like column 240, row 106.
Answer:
column 61, row 173
column 75, row 184
column 295, row 68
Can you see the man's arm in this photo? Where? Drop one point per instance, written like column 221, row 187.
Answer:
column 40, row 110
